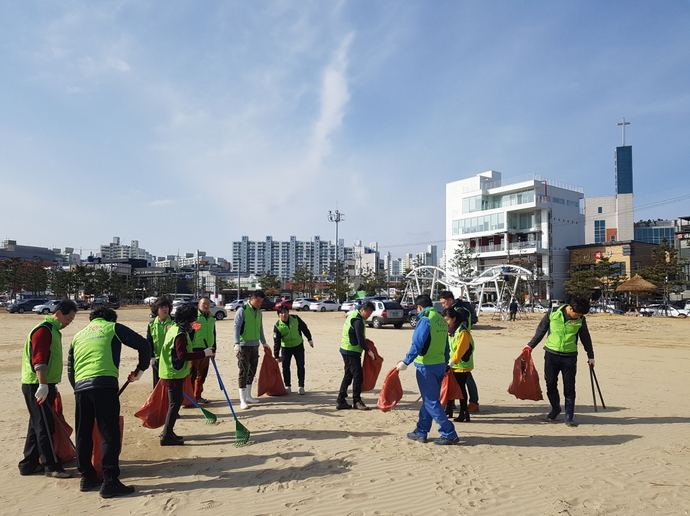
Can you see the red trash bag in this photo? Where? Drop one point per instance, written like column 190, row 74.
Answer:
column 270, row 377
column 153, row 413
column 371, row 367
column 61, row 441
column 450, row 389
column 391, row 391
column 525, row 384
column 97, row 454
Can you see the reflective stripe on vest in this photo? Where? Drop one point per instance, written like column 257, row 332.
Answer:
column 92, row 351
column 158, row 329
column 289, row 332
column 562, row 335
column 438, row 328
column 251, row 329
column 345, row 340
column 169, row 368
column 54, row 371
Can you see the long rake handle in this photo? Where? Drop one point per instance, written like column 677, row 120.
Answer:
column 591, row 380
column 62, row 427
column 598, row 389
column 191, row 399
column 222, row 387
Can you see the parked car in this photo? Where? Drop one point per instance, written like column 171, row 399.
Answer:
column 348, row 306
column 413, row 317
column 387, row 312
column 106, row 301
column 25, row 306
column 47, row 308
column 285, row 302
column 217, row 312
column 324, row 305
column 489, row 307
column 267, row 304
column 237, row 303
column 303, row 303
column 666, row 310
column 150, row 300
column 81, row 304
column 687, row 306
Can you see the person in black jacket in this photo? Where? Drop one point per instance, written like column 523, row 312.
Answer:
column 93, row 370
column 287, row 335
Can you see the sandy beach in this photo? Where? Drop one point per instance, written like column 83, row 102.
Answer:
column 306, row 458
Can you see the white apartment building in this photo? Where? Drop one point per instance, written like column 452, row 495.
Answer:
column 528, row 220
column 115, row 251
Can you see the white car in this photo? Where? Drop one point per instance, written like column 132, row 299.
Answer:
column 488, row 307
column 324, row 305
column 216, row 311
column 667, row 310
column 349, row 305
column 46, row 308
column 150, row 300
column 303, row 303
column 237, row 303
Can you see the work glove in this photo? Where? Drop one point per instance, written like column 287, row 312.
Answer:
column 265, row 344
column 154, row 361
column 237, row 348
column 41, row 393
column 451, row 364
column 401, row 366
column 279, row 359
column 590, row 361
column 311, row 343
column 209, row 352
column 527, row 348
column 371, row 355
column 135, row 375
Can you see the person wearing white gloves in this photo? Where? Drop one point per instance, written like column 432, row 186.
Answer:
column 352, row 343
column 430, row 353
column 249, row 334
column 287, row 336
column 564, row 325
column 93, row 370
column 41, row 372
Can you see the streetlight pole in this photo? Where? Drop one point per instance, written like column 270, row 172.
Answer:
column 336, row 217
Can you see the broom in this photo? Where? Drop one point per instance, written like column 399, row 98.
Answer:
column 241, row 433
column 208, row 415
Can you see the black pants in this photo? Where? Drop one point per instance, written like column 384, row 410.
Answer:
column 154, row 370
column 461, row 378
column 103, row 406
column 298, row 353
column 353, row 375
column 175, row 399
column 39, row 436
column 567, row 366
column 247, row 362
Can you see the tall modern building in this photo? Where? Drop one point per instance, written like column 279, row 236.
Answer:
column 529, row 220
column 117, row 251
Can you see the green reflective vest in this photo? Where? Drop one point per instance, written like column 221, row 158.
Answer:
column 54, row 371
column 438, row 327
column 467, row 360
column 158, row 329
column 92, row 351
column 251, row 328
column 167, row 368
column 345, row 340
column 562, row 335
column 290, row 336
column 203, row 337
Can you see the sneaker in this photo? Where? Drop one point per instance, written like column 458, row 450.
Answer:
column 301, row 390
column 288, row 388
column 115, row 489
column 87, row 484
column 38, row 468
column 58, row 473
column 171, row 441
column 361, row 406
column 472, row 407
column 416, row 437
column 202, row 401
column 343, row 405
column 444, row 441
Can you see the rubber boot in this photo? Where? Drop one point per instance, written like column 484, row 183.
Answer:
column 248, row 394
column 243, row 399
column 555, row 401
column 570, row 412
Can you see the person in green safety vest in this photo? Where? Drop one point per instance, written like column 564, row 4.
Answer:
column 461, row 357
column 249, row 334
column 352, row 343
column 93, row 368
column 41, row 372
column 564, row 325
column 287, row 336
column 204, row 337
column 155, row 332
column 430, row 353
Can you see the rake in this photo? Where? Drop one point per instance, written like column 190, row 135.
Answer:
column 241, row 433
column 208, row 415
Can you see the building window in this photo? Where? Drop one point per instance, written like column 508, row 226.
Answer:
column 599, row 231
column 638, row 266
column 599, row 210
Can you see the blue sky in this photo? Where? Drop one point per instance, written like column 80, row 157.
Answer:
column 186, row 125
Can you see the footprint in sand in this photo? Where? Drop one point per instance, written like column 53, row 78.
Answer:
column 306, row 501
column 358, row 496
column 210, row 504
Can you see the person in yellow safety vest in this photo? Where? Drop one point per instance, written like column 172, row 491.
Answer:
column 93, row 368
column 41, row 372
column 156, row 329
column 176, row 354
column 249, row 333
column 430, row 353
column 564, row 325
column 287, row 335
column 461, row 357
column 352, row 343
column 203, row 338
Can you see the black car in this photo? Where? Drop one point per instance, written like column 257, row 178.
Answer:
column 81, row 304
column 25, row 306
column 106, row 301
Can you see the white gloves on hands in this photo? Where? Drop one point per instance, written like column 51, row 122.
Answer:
column 237, row 348
column 371, row 355
column 451, row 364
column 590, row 361
column 311, row 343
column 209, row 352
column 401, row 366
column 41, row 393
column 154, row 361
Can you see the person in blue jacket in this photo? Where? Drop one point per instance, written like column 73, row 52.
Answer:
column 430, row 353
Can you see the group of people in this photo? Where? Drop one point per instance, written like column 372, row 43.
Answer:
column 184, row 346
